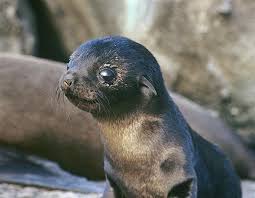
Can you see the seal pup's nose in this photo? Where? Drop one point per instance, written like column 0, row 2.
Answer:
column 66, row 83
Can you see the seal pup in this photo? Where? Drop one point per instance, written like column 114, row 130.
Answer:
column 149, row 149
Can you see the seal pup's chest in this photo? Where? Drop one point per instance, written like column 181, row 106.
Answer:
column 129, row 140
column 136, row 181
column 152, row 178
column 134, row 156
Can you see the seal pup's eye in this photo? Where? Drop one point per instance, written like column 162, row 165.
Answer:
column 67, row 66
column 107, row 75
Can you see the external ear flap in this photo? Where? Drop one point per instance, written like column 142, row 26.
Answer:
column 146, row 87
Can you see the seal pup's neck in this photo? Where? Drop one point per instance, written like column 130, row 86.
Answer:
column 131, row 136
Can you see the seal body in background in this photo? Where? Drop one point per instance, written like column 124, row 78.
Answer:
column 32, row 120
column 149, row 149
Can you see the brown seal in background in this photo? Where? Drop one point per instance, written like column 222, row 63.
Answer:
column 32, row 120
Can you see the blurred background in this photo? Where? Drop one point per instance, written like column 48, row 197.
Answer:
column 205, row 48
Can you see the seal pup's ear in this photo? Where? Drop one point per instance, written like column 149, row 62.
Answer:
column 146, row 87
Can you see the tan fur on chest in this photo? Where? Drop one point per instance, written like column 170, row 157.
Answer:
column 123, row 139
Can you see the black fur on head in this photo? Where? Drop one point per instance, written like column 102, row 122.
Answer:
column 112, row 75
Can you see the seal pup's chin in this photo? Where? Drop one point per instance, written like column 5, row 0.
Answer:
column 84, row 104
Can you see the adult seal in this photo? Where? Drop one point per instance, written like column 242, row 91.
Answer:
column 149, row 149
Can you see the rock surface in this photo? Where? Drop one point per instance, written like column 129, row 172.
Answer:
column 206, row 49
column 21, row 168
column 17, row 27
column 17, row 191
column 248, row 188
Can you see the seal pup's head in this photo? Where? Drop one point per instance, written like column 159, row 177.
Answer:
column 112, row 75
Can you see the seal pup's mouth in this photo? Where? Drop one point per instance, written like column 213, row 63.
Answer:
column 82, row 103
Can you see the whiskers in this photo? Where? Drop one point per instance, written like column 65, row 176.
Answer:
column 58, row 94
column 104, row 104
column 60, row 102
